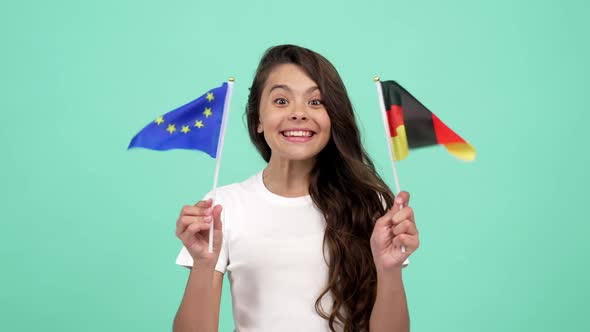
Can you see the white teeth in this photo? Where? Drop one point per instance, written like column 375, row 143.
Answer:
column 297, row 133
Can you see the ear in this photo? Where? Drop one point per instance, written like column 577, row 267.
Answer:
column 259, row 129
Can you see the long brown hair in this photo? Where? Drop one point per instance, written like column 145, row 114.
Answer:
column 343, row 185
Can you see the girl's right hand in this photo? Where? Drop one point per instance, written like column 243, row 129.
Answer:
column 192, row 228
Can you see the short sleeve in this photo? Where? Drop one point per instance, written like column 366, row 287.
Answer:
column 185, row 259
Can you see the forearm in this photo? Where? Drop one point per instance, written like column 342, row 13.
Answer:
column 390, row 312
column 199, row 309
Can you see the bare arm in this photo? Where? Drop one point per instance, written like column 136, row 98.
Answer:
column 395, row 230
column 199, row 309
column 390, row 312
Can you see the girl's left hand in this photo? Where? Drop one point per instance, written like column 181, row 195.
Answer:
column 394, row 229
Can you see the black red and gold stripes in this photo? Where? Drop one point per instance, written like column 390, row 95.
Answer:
column 412, row 125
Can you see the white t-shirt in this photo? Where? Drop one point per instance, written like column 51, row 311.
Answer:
column 272, row 250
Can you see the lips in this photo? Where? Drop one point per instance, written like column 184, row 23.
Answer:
column 297, row 133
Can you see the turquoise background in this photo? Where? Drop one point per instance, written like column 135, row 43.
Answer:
column 87, row 227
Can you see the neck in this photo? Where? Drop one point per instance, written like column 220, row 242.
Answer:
column 287, row 178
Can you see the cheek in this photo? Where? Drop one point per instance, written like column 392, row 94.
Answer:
column 325, row 126
column 326, row 123
column 268, row 121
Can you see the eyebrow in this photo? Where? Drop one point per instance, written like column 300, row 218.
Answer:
column 286, row 87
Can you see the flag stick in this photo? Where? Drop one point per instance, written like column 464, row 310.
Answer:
column 389, row 145
column 218, row 154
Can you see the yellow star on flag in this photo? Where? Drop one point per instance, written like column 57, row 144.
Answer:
column 207, row 112
column 199, row 124
column 159, row 120
column 171, row 128
column 185, row 129
column 210, row 96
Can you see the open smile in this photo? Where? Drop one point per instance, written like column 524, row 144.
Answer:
column 297, row 133
column 298, row 136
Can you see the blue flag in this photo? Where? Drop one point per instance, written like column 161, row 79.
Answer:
column 194, row 126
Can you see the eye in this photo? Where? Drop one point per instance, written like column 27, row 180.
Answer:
column 316, row 102
column 281, row 101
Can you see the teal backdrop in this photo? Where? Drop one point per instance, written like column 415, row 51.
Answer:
column 87, row 227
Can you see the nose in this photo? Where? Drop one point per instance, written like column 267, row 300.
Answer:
column 296, row 116
column 298, row 113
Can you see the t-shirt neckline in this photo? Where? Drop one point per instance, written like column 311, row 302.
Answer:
column 301, row 200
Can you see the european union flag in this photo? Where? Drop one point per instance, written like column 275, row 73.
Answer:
column 194, row 126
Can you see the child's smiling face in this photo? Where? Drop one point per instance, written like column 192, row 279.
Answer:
column 293, row 118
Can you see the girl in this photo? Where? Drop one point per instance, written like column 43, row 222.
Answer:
column 313, row 241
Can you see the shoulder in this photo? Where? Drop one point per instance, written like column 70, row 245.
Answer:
column 228, row 193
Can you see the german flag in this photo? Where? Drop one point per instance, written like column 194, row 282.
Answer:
column 412, row 125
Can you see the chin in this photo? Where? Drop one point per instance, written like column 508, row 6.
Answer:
column 307, row 156
column 300, row 157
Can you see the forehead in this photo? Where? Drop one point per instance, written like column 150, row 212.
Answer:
column 289, row 75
